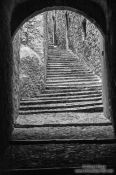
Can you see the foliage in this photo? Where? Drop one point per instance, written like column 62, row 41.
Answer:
column 32, row 57
column 30, row 76
column 92, row 52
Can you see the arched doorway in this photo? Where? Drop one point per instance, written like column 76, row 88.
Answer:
column 102, row 40
column 34, row 3
column 86, row 10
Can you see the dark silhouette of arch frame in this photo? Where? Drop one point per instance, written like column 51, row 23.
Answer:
column 90, row 9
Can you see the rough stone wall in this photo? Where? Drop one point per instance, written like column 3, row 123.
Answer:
column 6, row 85
column 50, row 27
column 16, row 62
column 75, row 33
column 92, row 48
column 33, row 57
column 61, row 28
column 32, row 34
column 87, row 48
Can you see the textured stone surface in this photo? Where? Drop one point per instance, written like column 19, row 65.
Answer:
column 16, row 82
column 30, row 72
column 63, row 132
column 75, row 33
column 60, row 155
column 92, row 52
column 33, row 56
column 61, row 118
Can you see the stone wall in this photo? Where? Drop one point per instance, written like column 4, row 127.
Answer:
column 60, row 34
column 33, row 57
column 92, row 48
column 61, row 28
column 32, row 33
column 16, row 62
column 75, row 33
column 86, row 47
column 50, row 27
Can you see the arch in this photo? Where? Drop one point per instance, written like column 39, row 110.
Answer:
column 90, row 9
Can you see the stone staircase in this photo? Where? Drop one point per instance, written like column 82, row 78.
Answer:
column 70, row 86
column 63, row 148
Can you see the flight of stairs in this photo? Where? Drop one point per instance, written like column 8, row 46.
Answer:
column 70, row 87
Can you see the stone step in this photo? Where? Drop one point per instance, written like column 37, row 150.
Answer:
column 70, row 74
column 65, row 67
column 64, row 119
column 66, row 64
column 60, row 105
column 66, row 90
column 68, row 83
column 62, row 74
column 50, row 80
column 68, row 61
column 72, row 78
column 75, row 65
column 71, row 81
column 63, row 132
column 61, row 56
column 58, row 53
column 60, row 95
column 72, row 86
column 72, row 71
column 69, row 77
column 91, row 108
column 59, row 100
column 51, row 61
column 68, row 71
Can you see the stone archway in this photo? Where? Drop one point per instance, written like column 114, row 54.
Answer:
column 105, row 97
column 13, row 18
